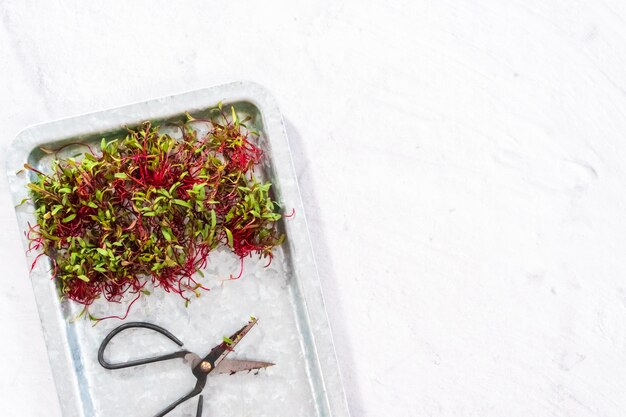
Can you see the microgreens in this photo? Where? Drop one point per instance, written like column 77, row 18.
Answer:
column 149, row 207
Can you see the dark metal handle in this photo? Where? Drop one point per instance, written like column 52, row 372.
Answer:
column 199, row 409
column 154, row 327
column 195, row 391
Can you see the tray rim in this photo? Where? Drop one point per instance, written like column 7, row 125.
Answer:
column 305, row 271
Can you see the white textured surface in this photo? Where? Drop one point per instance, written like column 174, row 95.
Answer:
column 461, row 164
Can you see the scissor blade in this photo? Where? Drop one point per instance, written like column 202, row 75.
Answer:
column 219, row 352
column 238, row 335
column 232, row 366
column 234, row 339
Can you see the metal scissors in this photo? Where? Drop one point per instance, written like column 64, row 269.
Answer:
column 215, row 361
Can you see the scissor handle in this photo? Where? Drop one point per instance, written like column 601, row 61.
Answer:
column 158, row 329
column 195, row 391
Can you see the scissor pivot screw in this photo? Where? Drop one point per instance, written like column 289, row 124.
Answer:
column 205, row 366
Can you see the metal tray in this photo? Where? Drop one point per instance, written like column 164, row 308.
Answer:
column 293, row 329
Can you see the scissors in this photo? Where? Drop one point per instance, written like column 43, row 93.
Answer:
column 215, row 361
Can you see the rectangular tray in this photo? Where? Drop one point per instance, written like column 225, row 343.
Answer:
column 293, row 329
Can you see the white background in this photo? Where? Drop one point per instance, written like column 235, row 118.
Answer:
column 462, row 165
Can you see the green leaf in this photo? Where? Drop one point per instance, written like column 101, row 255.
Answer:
column 69, row 218
column 211, row 236
column 234, row 115
column 229, row 236
column 35, row 188
column 121, row 175
column 272, row 216
column 48, row 235
column 22, row 202
column 166, row 234
column 170, row 262
column 181, row 203
column 174, row 187
column 213, row 219
column 102, row 252
column 83, row 277
column 228, row 341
